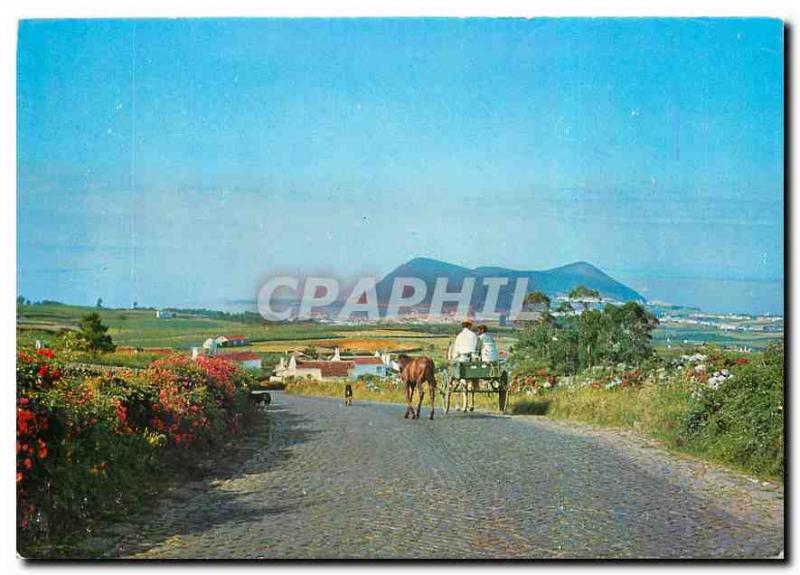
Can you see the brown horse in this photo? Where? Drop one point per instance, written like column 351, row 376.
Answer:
column 417, row 372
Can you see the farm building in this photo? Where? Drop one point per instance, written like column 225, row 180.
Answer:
column 164, row 314
column 245, row 359
column 334, row 368
column 232, row 341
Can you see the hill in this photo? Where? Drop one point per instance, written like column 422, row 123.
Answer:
column 553, row 282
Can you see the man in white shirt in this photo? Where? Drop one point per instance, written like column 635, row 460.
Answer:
column 487, row 345
column 466, row 343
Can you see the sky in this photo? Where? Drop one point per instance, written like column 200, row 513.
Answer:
column 182, row 162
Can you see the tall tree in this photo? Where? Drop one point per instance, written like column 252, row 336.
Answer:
column 614, row 335
column 537, row 298
column 93, row 334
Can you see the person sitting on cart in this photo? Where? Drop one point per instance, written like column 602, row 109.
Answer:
column 466, row 343
column 487, row 345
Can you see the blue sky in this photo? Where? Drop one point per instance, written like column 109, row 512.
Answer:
column 178, row 162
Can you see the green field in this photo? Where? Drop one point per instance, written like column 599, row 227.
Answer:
column 693, row 335
column 141, row 328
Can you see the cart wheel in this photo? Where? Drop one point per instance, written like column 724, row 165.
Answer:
column 502, row 393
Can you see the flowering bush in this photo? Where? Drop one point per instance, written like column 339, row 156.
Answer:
column 738, row 415
column 84, row 443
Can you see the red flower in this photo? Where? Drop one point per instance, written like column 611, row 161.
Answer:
column 43, row 371
column 19, row 476
column 122, row 413
column 28, row 463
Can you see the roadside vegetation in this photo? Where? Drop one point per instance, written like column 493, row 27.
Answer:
column 91, row 448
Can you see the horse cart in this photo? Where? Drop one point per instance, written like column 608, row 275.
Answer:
column 474, row 376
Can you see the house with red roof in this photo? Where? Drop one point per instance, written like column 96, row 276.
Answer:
column 335, row 368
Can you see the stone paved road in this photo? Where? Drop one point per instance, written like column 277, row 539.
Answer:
column 320, row 480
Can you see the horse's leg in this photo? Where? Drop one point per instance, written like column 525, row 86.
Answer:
column 432, row 391
column 463, row 386
column 421, row 392
column 408, row 400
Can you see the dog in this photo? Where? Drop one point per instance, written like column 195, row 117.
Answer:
column 261, row 397
column 348, row 394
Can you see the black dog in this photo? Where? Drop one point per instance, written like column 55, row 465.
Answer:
column 348, row 394
column 261, row 397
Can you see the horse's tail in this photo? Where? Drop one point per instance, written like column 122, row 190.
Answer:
column 432, row 376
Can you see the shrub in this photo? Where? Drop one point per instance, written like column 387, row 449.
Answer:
column 87, row 446
column 741, row 421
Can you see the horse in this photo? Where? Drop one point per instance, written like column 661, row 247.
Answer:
column 416, row 372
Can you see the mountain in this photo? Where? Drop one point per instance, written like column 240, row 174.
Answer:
column 553, row 282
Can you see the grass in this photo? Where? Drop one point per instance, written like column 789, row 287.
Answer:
column 655, row 410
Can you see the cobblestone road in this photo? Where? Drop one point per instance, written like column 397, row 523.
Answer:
column 321, row 480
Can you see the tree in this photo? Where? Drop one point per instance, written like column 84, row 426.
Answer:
column 617, row 334
column 590, row 326
column 537, row 302
column 99, row 302
column 626, row 333
column 135, row 304
column 93, row 334
column 582, row 293
column 538, row 299
column 20, row 300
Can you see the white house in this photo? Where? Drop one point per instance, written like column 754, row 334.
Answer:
column 334, row 368
column 164, row 314
column 321, row 370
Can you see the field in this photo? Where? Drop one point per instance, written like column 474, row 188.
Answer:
column 141, row 328
column 694, row 335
